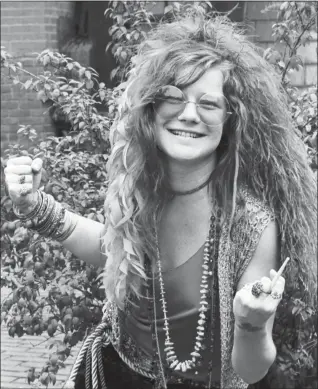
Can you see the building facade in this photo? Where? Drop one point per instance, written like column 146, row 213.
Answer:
column 80, row 30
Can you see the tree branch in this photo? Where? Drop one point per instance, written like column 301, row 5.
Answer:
column 294, row 50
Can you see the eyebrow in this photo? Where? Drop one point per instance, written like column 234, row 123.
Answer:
column 217, row 98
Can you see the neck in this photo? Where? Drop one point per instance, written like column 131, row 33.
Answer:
column 186, row 176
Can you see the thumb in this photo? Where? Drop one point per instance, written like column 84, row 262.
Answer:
column 36, row 167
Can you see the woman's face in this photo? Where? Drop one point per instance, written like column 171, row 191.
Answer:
column 194, row 140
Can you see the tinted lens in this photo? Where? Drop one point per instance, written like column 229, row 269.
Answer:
column 169, row 101
column 212, row 109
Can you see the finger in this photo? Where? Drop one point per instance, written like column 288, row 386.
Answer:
column 37, row 173
column 19, row 161
column 279, row 286
column 18, row 190
column 36, row 165
column 17, row 178
column 272, row 273
column 266, row 282
column 18, row 169
column 280, row 271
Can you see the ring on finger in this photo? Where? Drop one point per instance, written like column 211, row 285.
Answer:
column 24, row 190
column 276, row 295
column 257, row 288
column 22, row 179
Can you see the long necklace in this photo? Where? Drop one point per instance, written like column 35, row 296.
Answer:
column 170, row 355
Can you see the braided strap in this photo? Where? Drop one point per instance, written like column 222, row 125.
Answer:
column 101, row 367
column 136, row 368
column 88, row 367
column 102, row 335
column 97, row 364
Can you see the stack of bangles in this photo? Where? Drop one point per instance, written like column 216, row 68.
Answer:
column 48, row 218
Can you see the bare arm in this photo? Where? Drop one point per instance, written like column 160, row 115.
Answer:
column 253, row 349
column 85, row 241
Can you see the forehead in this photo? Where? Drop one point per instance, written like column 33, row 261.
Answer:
column 210, row 81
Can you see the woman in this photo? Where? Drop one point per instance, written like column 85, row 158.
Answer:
column 209, row 191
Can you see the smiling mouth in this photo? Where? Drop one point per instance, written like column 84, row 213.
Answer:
column 185, row 134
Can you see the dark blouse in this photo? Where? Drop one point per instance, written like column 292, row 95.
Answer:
column 182, row 285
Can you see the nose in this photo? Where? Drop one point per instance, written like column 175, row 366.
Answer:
column 189, row 113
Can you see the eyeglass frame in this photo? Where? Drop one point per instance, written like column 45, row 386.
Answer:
column 196, row 104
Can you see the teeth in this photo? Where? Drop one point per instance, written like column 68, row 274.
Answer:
column 185, row 134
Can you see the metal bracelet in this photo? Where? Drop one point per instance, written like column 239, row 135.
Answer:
column 46, row 220
column 56, row 218
column 34, row 219
column 61, row 225
column 34, row 210
column 70, row 225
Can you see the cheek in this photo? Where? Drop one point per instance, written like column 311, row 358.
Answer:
column 159, row 126
column 216, row 133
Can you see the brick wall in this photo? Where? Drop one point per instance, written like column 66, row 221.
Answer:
column 261, row 27
column 28, row 27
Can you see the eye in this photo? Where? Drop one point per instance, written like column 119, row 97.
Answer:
column 170, row 94
column 173, row 99
column 210, row 102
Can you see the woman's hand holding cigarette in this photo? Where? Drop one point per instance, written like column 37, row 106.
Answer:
column 255, row 303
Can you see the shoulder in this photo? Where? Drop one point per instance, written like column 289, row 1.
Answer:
column 254, row 207
column 252, row 214
column 263, row 233
column 255, row 238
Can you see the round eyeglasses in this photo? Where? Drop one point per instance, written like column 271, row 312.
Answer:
column 213, row 109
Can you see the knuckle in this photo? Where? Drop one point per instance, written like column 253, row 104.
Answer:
column 38, row 160
column 280, row 282
column 10, row 178
column 244, row 300
column 10, row 161
column 24, row 160
column 28, row 160
column 265, row 279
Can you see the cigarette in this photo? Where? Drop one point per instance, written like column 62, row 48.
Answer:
column 279, row 273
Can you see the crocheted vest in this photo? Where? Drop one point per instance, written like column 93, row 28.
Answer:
column 234, row 257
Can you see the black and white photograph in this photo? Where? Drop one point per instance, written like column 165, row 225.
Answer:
column 159, row 194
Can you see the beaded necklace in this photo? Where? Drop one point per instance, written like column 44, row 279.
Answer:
column 207, row 302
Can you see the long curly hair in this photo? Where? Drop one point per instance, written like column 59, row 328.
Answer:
column 259, row 148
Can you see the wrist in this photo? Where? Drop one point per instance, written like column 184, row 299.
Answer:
column 248, row 328
column 26, row 208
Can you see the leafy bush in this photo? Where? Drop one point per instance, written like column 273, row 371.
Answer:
column 51, row 290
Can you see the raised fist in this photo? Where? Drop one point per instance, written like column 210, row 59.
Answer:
column 23, row 177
